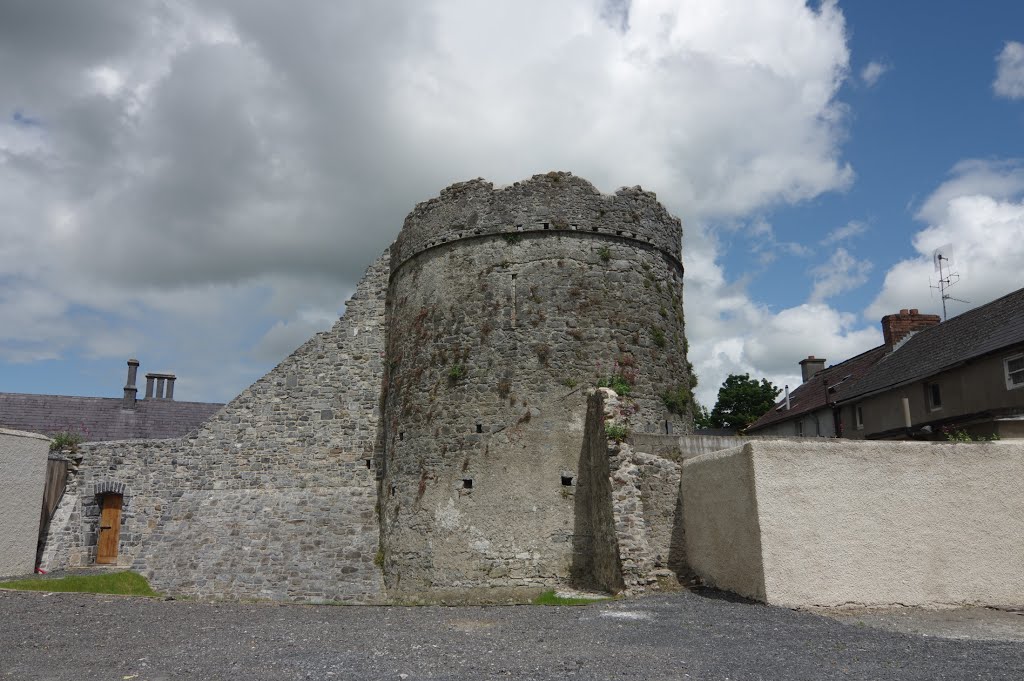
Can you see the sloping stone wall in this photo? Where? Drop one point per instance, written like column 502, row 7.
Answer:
column 274, row 497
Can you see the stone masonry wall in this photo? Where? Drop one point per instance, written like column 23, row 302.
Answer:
column 274, row 497
column 493, row 339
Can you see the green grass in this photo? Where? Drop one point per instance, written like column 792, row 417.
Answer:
column 551, row 598
column 121, row 583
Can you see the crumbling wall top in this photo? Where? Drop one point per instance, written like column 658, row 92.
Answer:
column 555, row 201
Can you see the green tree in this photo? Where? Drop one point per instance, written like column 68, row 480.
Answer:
column 701, row 416
column 741, row 401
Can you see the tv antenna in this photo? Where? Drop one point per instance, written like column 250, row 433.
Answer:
column 942, row 258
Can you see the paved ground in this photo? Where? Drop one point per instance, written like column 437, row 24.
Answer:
column 678, row 636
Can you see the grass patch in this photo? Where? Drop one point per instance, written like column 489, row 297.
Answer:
column 119, row 583
column 551, row 598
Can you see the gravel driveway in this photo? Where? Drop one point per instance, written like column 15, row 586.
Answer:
column 677, row 636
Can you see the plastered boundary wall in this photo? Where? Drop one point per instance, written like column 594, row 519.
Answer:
column 830, row 523
column 22, row 479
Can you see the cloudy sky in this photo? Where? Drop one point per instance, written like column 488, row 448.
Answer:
column 201, row 184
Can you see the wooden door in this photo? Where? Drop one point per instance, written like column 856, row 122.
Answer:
column 110, row 529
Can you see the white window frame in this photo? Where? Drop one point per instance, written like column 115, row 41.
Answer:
column 858, row 416
column 1007, row 373
column 800, row 428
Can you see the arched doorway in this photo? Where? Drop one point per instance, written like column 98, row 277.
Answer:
column 110, row 529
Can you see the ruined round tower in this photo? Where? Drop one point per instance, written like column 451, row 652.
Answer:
column 504, row 307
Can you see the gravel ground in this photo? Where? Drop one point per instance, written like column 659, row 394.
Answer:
column 678, row 636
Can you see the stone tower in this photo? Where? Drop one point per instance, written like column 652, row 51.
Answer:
column 503, row 307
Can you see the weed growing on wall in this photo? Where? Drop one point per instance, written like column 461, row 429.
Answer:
column 677, row 399
column 604, row 253
column 456, row 373
column 616, row 431
column 65, row 440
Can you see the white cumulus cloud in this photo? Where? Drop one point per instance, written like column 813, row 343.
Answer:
column 1009, row 80
column 210, row 179
column 980, row 211
column 873, row 72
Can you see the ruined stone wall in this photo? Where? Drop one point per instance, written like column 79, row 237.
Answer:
column 596, row 562
column 522, row 299
column 274, row 497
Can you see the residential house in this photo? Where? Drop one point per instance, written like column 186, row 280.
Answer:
column 98, row 419
column 963, row 375
column 809, row 410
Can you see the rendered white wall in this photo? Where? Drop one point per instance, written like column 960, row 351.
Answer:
column 872, row 523
column 22, row 477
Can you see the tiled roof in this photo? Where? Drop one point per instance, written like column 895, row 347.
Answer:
column 974, row 333
column 828, row 385
column 99, row 419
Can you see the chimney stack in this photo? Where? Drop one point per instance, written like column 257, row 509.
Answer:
column 896, row 327
column 164, row 386
column 130, row 390
column 811, row 366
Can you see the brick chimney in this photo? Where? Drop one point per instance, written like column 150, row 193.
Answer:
column 129, row 388
column 811, row 366
column 896, row 327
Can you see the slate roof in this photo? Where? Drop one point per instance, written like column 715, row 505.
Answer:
column 827, row 386
column 100, row 419
column 974, row 333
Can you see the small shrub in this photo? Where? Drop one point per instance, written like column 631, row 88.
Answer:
column 65, row 440
column 616, row 431
column 616, row 382
column 456, row 373
column 658, row 336
column 676, row 399
column 569, row 383
column 604, row 253
column 959, row 435
column 543, row 351
column 511, row 239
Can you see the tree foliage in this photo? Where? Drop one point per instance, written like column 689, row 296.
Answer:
column 741, row 401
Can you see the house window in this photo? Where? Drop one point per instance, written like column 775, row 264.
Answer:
column 799, row 428
column 1014, row 371
column 934, row 396
column 858, row 416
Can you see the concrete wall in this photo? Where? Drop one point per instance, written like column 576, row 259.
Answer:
column 22, row 478
column 832, row 522
column 978, row 386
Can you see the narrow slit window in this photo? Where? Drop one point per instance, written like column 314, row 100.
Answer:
column 467, row 483
column 566, row 480
column 479, row 427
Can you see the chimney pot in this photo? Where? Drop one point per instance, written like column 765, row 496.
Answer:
column 150, row 378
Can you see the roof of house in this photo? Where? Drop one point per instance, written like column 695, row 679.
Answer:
column 825, row 387
column 100, row 419
column 974, row 333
